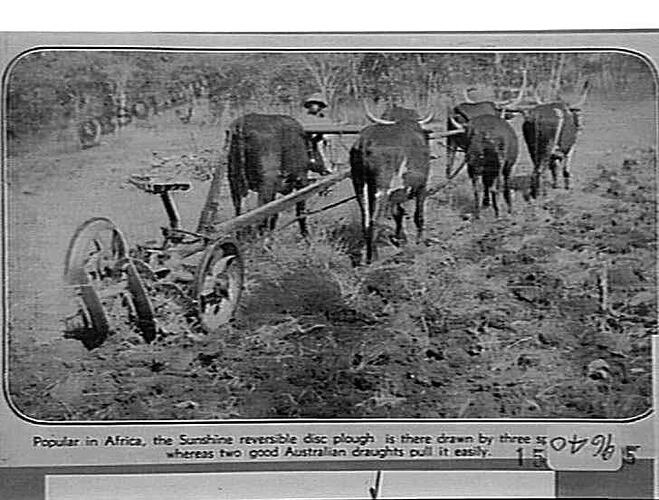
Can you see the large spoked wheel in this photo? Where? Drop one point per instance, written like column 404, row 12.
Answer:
column 108, row 286
column 218, row 284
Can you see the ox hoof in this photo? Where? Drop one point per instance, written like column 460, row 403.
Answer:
column 432, row 241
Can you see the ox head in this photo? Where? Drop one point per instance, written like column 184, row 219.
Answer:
column 505, row 106
column 397, row 114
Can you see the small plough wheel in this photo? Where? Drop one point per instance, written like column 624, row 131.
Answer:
column 98, row 267
column 218, row 284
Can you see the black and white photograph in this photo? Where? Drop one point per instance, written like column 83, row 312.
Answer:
column 303, row 234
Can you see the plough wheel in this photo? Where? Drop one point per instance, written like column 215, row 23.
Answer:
column 98, row 266
column 218, row 284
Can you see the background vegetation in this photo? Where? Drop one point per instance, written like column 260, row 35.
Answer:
column 51, row 90
column 493, row 318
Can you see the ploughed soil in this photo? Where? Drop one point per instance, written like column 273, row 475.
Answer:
column 546, row 312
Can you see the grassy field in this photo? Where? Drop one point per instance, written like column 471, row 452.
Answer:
column 484, row 319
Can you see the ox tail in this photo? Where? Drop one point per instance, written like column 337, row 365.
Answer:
column 368, row 221
column 208, row 216
column 237, row 164
column 371, row 200
column 398, row 179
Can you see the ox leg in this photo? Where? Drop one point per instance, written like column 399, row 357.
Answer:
column 450, row 159
column 506, row 194
column 375, row 202
column 398, row 212
column 566, row 170
column 538, row 184
column 477, row 188
column 237, row 201
column 543, row 175
column 553, row 161
column 418, row 216
column 486, row 193
column 494, row 186
column 535, row 183
column 365, row 199
column 273, row 222
column 360, row 193
column 270, row 222
column 300, row 208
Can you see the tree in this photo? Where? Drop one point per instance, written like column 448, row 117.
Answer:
column 330, row 72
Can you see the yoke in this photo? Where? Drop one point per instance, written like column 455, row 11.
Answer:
column 332, row 128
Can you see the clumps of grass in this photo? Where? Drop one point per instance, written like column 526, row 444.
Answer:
column 311, row 277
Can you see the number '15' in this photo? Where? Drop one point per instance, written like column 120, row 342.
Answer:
column 538, row 457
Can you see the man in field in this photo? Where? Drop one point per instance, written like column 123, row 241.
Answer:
column 316, row 107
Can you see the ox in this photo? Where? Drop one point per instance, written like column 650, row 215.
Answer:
column 490, row 155
column 550, row 132
column 269, row 154
column 389, row 164
column 468, row 110
column 460, row 115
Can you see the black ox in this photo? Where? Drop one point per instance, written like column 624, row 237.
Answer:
column 269, row 154
column 550, row 132
column 389, row 164
column 459, row 116
column 490, row 153
column 466, row 111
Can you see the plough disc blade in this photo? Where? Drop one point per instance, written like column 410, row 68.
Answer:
column 97, row 266
column 218, row 284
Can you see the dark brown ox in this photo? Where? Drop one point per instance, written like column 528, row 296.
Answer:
column 490, row 155
column 461, row 115
column 268, row 154
column 389, row 164
column 468, row 110
column 550, row 132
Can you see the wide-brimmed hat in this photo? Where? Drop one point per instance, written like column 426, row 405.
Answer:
column 315, row 99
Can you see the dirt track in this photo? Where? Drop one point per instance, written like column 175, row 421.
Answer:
column 493, row 318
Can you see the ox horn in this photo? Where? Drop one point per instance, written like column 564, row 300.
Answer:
column 458, row 126
column 428, row 118
column 465, row 94
column 372, row 118
column 459, row 129
column 584, row 95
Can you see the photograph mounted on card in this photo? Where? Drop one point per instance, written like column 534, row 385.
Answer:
column 377, row 232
